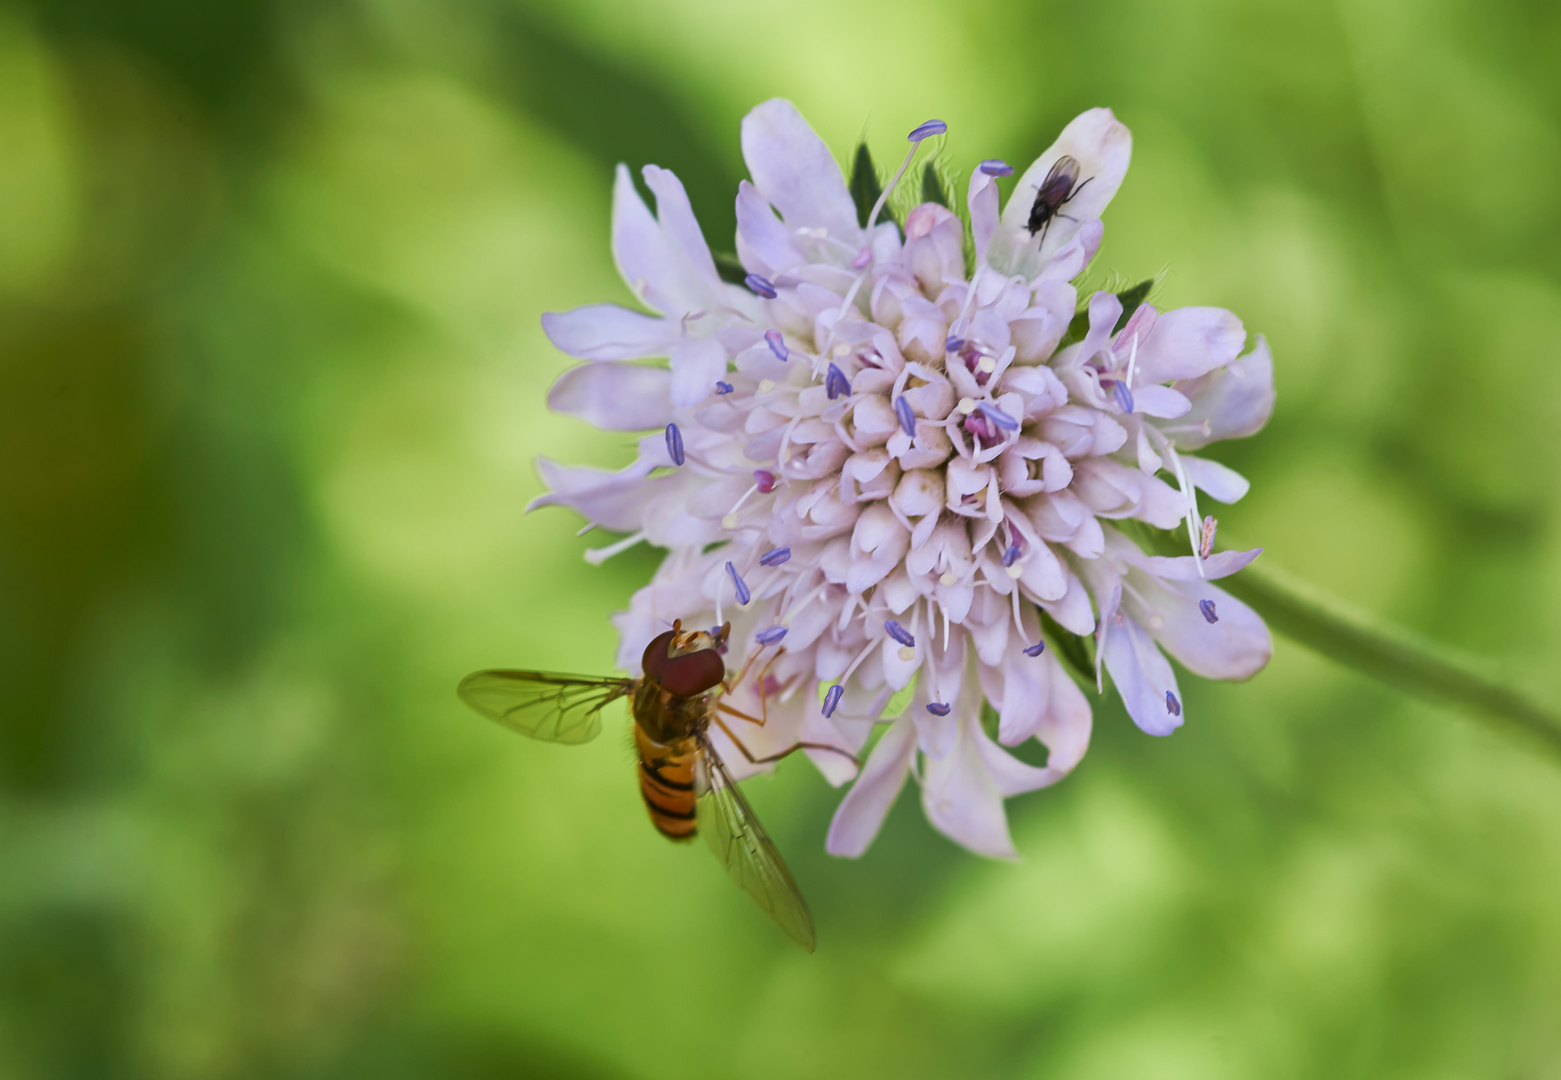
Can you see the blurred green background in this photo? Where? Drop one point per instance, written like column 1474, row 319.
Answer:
column 271, row 385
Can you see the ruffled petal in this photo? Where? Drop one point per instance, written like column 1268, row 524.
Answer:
column 861, row 813
column 614, row 396
column 794, row 170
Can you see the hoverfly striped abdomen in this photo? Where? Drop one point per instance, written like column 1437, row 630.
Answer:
column 667, row 785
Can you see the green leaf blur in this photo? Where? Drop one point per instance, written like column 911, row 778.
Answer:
column 271, row 386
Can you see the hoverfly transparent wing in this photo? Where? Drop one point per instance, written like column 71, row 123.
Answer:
column 553, row 708
column 746, row 850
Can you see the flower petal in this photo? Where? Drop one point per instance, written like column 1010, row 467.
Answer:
column 677, row 221
column 1220, row 481
column 619, row 501
column 1142, row 676
column 861, row 813
column 962, row 798
column 654, row 266
column 1188, row 342
column 1103, row 146
column 983, row 212
column 794, row 170
column 764, row 244
column 614, row 395
column 696, row 365
column 1228, row 404
column 1160, row 401
column 1238, row 646
column 1185, row 567
column 610, row 332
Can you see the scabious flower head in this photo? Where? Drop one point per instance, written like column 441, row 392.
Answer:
column 883, row 463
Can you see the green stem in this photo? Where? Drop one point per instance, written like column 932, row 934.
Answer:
column 1389, row 653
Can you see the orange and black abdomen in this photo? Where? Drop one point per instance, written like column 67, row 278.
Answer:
column 667, row 784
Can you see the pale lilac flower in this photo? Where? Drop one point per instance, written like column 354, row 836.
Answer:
column 889, row 469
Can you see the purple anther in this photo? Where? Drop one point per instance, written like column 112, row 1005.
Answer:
column 954, row 344
column 675, row 444
column 1036, row 649
column 724, row 387
column 836, row 383
column 770, row 636
column 998, row 416
column 765, row 479
column 902, row 409
column 863, row 257
column 1011, row 556
column 775, row 556
column 939, row 708
column 982, row 428
column 996, row 167
column 760, row 286
column 743, row 595
column 1172, row 706
column 777, row 344
column 832, row 699
column 1123, row 395
column 898, row 633
column 927, row 130
column 1207, row 607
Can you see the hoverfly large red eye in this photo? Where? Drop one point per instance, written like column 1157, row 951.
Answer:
column 692, row 673
column 655, row 658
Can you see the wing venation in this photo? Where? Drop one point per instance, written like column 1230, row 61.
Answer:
column 746, row 851
column 553, row 708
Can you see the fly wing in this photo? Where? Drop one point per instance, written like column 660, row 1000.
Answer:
column 553, row 708
column 1062, row 176
column 746, row 850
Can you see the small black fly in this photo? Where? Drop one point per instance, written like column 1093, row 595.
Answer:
column 1055, row 192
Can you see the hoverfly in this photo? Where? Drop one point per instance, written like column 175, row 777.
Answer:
column 685, row 785
column 1055, row 192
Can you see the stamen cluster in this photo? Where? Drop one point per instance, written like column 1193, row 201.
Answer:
column 896, row 472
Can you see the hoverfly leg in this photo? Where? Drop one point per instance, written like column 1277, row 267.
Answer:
column 792, row 749
column 724, row 707
column 764, row 697
column 741, row 675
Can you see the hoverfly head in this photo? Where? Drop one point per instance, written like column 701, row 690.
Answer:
column 689, row 663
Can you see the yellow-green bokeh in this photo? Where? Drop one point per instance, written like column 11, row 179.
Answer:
column 271, row 388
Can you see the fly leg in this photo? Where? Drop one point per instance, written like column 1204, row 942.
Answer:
column 731, row 687
column 792, row 749
column 764, row 698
